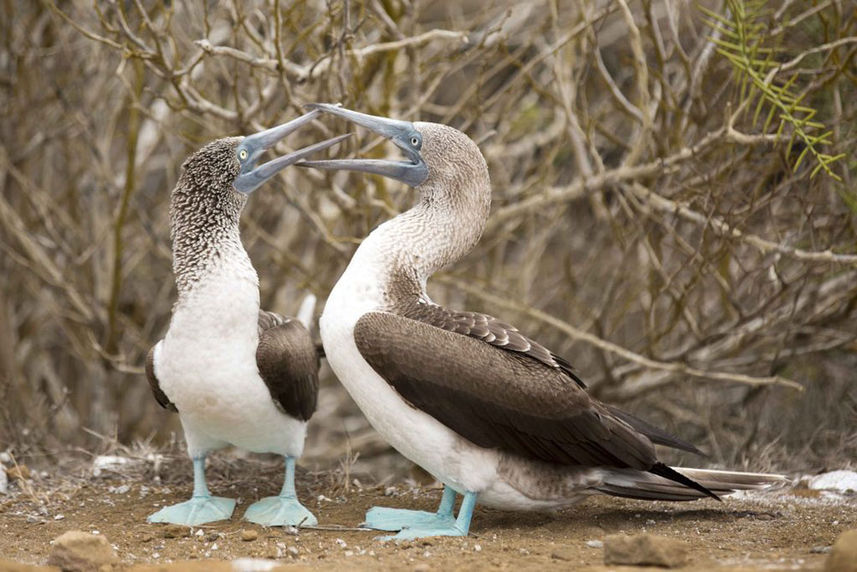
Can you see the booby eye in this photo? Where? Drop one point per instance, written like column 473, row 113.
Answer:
column 242, row 154
column 415, row 141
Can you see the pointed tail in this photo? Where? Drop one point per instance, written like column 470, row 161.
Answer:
column 642, row 485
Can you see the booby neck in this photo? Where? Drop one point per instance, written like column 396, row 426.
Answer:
column 204, row 219
column 442, row 227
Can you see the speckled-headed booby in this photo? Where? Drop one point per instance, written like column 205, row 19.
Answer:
column 487, row 411
column 237, row 375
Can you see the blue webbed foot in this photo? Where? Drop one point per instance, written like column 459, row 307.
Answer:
column 198, row 510
column 280, row 511
column 395, row 519
column 413, row 524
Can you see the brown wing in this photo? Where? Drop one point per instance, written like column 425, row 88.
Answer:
column 160, row 396
column 288, row 363
column 490, row 330
column 498, row 399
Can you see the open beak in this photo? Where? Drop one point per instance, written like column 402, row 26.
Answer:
column 404, row 134
column 251, row 177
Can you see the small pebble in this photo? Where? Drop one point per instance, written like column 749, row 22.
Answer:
column 595, row 544
column 249, row 535
column 175, row 531
column 562, row 554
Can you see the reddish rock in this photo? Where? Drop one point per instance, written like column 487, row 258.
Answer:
column 78, row 551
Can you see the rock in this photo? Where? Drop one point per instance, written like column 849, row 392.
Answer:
column 644, row 550
column 562, row 554
column 841, row 481
column 249, row 535
column 18, row 472
column 843, row 557
column 175, row 531
column 80, row 551
column 4, row 480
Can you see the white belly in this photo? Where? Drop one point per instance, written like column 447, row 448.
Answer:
column 206, row 365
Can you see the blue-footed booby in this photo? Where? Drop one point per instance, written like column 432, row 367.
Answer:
column 487, row 411
column 236, row 375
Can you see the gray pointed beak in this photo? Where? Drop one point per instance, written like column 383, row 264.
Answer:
column 404, row 134
column 251, row 177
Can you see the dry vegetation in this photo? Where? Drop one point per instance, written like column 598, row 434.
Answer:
column 655, row 219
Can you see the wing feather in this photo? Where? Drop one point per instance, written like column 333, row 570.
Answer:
column 489, row 330
column 496, row 398
column 288, row 363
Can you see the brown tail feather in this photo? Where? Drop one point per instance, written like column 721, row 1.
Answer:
column 647, row 486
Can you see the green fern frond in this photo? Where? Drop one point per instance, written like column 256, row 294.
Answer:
column 741, row 38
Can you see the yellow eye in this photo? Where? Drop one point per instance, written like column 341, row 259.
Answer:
column 242, row 154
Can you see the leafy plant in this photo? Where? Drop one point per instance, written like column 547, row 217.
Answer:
column 744, row 40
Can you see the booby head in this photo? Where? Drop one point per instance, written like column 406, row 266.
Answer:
column 210, row 194
column 231, row 162
column 437, row 157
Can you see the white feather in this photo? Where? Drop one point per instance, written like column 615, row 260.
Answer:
column 206, row 365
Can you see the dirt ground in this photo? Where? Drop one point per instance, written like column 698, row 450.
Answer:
column 788, row 529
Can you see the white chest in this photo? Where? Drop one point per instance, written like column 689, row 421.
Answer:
column 206, row 365
column 416, row 435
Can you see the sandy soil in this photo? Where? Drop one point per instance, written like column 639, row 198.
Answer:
column 789, row 529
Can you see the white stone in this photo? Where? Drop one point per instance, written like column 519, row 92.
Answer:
column 841, row 481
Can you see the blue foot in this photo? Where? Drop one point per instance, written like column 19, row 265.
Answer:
column 280, row 511
column 196, row 511
column 394, row 519
column 420, row 524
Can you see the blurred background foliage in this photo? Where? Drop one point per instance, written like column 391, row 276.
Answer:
column 674, row 200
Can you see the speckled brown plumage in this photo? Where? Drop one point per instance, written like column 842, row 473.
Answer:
column 204, row 211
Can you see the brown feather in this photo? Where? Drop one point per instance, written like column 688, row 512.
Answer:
column 288, row 364
column 495, row 398
column 489, row 330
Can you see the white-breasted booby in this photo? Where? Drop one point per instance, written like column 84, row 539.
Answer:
column 487, row 411
column 237, row 375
